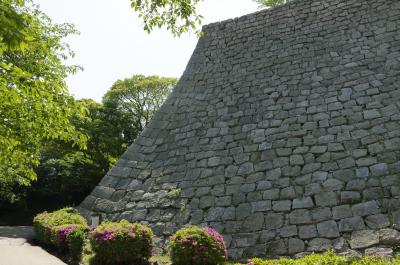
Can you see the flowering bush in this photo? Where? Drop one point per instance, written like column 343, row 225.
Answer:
column 45, row 223
column 197, row 246
column 121, row 243
column 70, row 238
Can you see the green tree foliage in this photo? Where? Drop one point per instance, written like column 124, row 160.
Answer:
column 136, row 99
column 35, row 104
column 68, row 173
column 271, row 3
column 13, row 31
column 178, row 16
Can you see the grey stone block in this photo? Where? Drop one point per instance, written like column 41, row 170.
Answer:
column 379, row 169
column 261, row 206
column 243, row 211
column 364, row 238
column 328, row 229
column 326, row 199
column 342, row 211
column 321, row 214
column 305, row 202
column 254, row 222
column 350, row 197
column 300, row 216
column 307, row 231
column 377, row 221
column 351, row 224
column 365, row 208
column 296, row 245
column 281, row 206
column 319, row 245
column 379, row 252
column 273, row 220
column 389, row 237
column 288, row 231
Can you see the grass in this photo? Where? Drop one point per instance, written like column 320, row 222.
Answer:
column 328, row 258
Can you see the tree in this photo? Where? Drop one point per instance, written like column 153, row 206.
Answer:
column 136, row 99
column 68, row 174
column 179, row 16
column 13, row 30
column 35, row 104
column 271, row 3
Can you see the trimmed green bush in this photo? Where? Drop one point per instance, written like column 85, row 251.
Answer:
column 328, row 258
column 197, row 246
column 70, row 239
column 64, row 230
column 121, row 243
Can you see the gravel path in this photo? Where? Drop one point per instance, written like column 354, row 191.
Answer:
column 16, row 248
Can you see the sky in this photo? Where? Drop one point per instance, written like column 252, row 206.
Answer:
column 112, row 44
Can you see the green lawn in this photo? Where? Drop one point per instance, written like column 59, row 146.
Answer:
column 328, row 258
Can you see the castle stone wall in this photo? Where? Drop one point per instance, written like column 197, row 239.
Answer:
column 283, row 133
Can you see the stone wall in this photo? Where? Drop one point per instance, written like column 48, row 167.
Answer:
column 283, row 133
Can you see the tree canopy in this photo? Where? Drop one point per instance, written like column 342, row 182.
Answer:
column 137, row 98
column 178, row 16
column 35, row 104
column 271, row 3
column 69, row 173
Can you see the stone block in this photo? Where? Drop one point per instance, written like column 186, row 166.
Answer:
column 288, row 231
column 365, row 208
column 288, row 193
column 351, row 224
column 206, row 202
column 243, row 210
column 371, row 114
column 302, row 203
column 277, row 247
column 379, row 252
column 328, row 229
column 296, row 245
column 389, row 237
column 363, row 239
column 351, row 254
column 379, row 169
column 377, row 221
column 229, row 214
column 321, row 214
column 307, row 231
column 326, row 199
column 261, row 206
column 273, row 221
column 319, row 245
column 350, row 197
column 264, row 185
column 281, row 206
column 254, row 222
column 300, row 216
column 342, row 211
column 272, row 194
column 296, row 160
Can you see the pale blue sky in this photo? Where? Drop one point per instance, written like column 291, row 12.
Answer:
column 112, row 44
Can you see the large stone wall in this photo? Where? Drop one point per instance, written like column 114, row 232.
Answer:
column 283, row 133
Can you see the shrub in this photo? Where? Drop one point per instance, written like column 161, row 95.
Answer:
column 197, row 246
column 121, row 243
column 328, row 258
column 70, row 238
column 45, row 223
column 64, row 230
